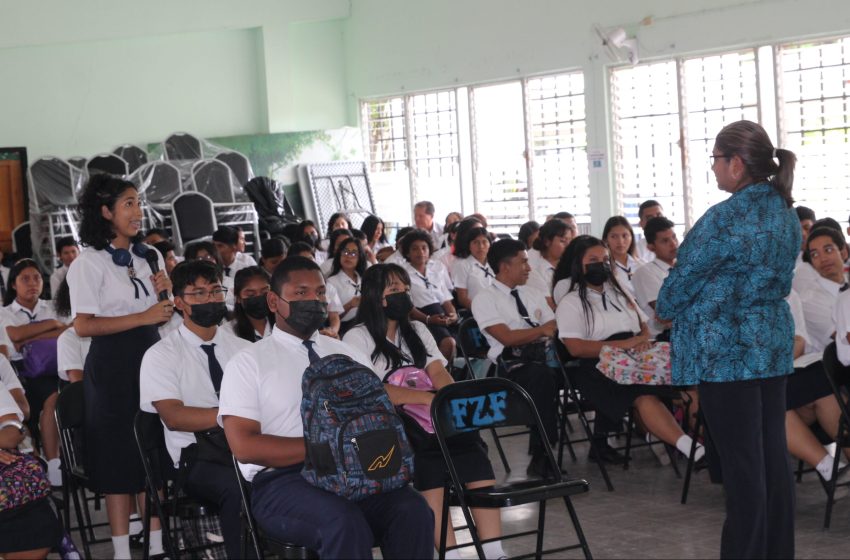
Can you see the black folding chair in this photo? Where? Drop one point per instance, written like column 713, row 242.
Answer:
column 470, row 406
column 833, row 368
column 259, row 541
column 160, row 476
column 70, row 418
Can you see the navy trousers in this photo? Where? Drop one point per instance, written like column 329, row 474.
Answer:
column 289, row 509
column 747, row 423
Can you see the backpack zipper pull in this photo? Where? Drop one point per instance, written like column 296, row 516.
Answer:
column 354, row 443
column 326, row 404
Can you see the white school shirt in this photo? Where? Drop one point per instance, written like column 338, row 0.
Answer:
column 359, row 338
column 616, row 314
column 8, row 377
column 240, row 261
column 643, row 251
column 471, row 275
column 395, row 258
column 561, row 288
column 230, row 326
column 804, row 276
column 494, row 305
column 436, row 234
column 799, row 318
column 445, row 257
column 842, row 327
column 56, row 280
column 71, row 352
column 15, row 315
column 177, row 367
column 326, row 267
column 101, row 287
column 347, row 289
column 172, row 325
column 647, row 281
column 333, row 299
column 819, row 302
column 542, row 273
column 4, row 272
column 263, row 383
column 437, row 289
column 8, row 404
column 624, row 274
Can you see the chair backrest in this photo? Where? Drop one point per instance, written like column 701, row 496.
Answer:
column 133, row 155
column 22, row 241
column 214, row 179
column 77, row 161
column 832, row 367
column 150, row 440
column 238, row 164
column 108, row 163
column 52, row 182
column 159, row 182
column 471, row 340
column 70, row 416
column 182, row 145
column 193, row 217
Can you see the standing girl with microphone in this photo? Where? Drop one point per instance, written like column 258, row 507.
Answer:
column 115, row 298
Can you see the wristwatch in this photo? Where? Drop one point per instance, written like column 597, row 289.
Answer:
column 14, row 423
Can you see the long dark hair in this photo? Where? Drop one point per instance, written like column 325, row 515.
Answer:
column 549, row 231
column 750, row 142
column 242, row 326
column 371, row 314
column 615, row 221
column 526, row 230
column 570, row 266
column 462, row 244
column 101, row 190
column 17, row 268
column 370, row 225
column 334, row 237
column 62, row 299
column 334, row 217
column 361, row 257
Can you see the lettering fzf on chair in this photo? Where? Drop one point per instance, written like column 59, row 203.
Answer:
column 356, row 445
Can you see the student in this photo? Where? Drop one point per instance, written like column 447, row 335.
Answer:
column 597, row 312
column 9, row 379
column 471, row 272
column 166, row 249
column 27, row 318
column 375, row 230
column 336, row 237
column 338, row 220
column 553, row 238
column 203, row 250
column 804, row 274
column 227, row 242
column 431, row 289
column 827, row 251
column 306, row 231
column 619, row 237
column 528, row 232
column 647, row 210
column 386, row 334
column 274, row 251
column 423, row 217
column 647, row 279
column 335, row 309
column 71, row 349
column 259, row 409
column 396, row 257
column 180, row 380
column 156, row 235
column 66, row 250
column 114, row 298
column 28, row 531
column 251, row 321
column 367, row 251
column 349, row 264
column 514, row 315
column 446, row 254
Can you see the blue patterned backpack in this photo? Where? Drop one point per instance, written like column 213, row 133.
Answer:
column 355, row 440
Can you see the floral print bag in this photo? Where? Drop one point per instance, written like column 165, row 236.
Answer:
column 22, row 482
column 628, row 367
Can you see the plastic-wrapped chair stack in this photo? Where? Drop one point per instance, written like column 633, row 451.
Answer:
column 108, row 163
column 239, row 165
column 215, row 179
column 54, row 186
column 133, row 155
column 78, row 161
column 182, row 145
column 159, row 183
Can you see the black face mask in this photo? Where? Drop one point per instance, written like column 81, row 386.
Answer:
column 256, row 307
column 306, row 316
column 208, row 314
column 597, row 273
column 398, row 306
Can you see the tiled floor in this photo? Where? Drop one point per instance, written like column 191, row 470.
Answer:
column 642, row 517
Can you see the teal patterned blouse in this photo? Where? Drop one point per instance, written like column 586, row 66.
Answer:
column 726, row 294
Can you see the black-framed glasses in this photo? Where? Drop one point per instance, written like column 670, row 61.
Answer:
column 216, row 294
column 714, row 158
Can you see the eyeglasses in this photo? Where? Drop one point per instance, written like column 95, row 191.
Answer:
column 216, row 294
column 349, row 253
column 713, row 158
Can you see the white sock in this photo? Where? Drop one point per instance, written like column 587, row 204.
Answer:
column 825, row 467
column 121, row 546
column 136, row 525
column 54, row 472
column 453, row 554
column 683, row 444
column 156, row 543
column 493, row 550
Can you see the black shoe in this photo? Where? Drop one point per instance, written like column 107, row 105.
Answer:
column 539, row 467
column 137, row 541
column 606, row 453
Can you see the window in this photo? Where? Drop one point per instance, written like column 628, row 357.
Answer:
column 815, row 94
column 386, row 140
column 556, row 122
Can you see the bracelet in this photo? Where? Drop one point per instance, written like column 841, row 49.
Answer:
column 427, row 319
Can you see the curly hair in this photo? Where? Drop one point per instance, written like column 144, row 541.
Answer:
column 101, row 190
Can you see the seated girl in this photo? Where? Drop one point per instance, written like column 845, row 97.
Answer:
column 385, row 332
column 470, row 271
column 252, row 320
column 349, row 264
column 596, row 312
column 430, row 288
column 336, row 237
column 274, row 251
column 620, row 240
column 552, row 239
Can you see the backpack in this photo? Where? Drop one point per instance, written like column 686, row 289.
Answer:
column 355, row 442
column 40, row 358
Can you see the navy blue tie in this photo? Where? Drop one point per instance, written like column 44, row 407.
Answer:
column 310, row 352
column 216, row 373
column 523, row 312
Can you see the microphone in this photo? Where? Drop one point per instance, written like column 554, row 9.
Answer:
column 152, row 256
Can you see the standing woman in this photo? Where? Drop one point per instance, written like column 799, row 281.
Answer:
column 733, row 334
column 619, row 237
column 114, row 299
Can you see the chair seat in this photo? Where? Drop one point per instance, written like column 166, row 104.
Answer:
column 523, row 492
